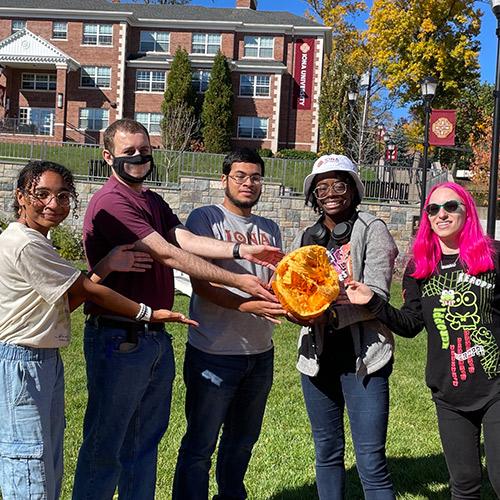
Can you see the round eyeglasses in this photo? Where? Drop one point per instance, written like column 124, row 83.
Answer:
column 450, row 206
column 241, row 178
column 44, row 197
column 323, row 190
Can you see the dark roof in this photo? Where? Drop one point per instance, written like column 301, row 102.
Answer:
column 58, row 4
column 174, row 12
column 197, row 13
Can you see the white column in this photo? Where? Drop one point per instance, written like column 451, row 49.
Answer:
column 120, row 81
column 318, row 74
column 277, row 111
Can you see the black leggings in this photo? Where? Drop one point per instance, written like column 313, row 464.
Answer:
column 460, row 436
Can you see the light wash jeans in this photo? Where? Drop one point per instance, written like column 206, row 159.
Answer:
column 228, row 392
column 127, row 413
column 31, row 422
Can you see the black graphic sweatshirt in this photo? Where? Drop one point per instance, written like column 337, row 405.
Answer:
column 461, row 314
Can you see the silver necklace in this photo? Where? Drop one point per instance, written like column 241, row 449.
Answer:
column 450, row 265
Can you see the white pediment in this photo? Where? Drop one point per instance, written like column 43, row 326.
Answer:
column 23, row 46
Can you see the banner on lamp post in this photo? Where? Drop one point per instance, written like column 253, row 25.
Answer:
column 303, row 72
column 442, row 127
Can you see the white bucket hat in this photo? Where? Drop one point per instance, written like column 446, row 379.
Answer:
column 334, row 163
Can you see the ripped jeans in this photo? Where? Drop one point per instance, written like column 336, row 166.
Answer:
column 221, row 390
column 31, row 422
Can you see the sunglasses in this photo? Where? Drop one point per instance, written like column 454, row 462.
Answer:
column 450, row 206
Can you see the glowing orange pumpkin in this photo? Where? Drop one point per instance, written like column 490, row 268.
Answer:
column 305, row 282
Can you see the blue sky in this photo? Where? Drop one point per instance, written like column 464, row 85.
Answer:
column 487, row 37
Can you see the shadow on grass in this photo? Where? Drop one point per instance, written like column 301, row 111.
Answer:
column 412, row 477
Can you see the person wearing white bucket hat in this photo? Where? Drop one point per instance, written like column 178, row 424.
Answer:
column 345, row 356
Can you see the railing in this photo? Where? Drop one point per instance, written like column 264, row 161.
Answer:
column 88, row 138
column 16, row 126
column 400, row 182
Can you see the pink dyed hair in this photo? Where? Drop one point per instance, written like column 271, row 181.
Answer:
column 475, row 248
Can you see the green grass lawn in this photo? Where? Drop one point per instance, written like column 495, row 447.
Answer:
column 282, row 465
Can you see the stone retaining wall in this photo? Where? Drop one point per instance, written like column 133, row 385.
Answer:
column 288, row 212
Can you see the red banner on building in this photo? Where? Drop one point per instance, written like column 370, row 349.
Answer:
column 442, row 127
column 303, row 72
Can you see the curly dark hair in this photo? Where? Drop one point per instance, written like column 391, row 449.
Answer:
column 342, row 176
column 30, row 175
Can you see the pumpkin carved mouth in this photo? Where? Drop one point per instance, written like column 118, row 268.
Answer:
column 305, row 282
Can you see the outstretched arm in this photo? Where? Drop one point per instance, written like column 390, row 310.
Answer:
column 212, row 248
column 121, row 259
column 407, row 321
column 225, row 298
column 172, row 256
column 85, row 289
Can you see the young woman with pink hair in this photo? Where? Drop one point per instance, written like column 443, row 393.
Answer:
column 451, row 287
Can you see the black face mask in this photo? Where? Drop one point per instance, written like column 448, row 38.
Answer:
column 119, row 167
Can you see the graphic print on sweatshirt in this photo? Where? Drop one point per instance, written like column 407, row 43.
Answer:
column 462, row 303
column 341, row 261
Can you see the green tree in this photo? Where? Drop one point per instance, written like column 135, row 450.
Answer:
column 179, row 94
column 217, row 110
column 411, row 39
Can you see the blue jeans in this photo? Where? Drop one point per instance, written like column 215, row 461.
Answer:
column 367, row 401
column 31, row 422
column 221, row 390
column 129, row 395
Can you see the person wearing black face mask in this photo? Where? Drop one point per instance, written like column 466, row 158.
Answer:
column 130, row 381
column 123, row 165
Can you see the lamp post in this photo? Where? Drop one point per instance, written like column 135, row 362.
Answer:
column 352, row 97
column 391, row 148
column 428, row 88
column 492, row 194
column 380, row 135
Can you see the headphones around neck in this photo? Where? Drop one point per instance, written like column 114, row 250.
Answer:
column 341, row 233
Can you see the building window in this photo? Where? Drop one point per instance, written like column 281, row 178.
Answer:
column 38, row 81
column 261, row 47
column 95, row 76
column 150, row 81
column 152, row 122
column 252, row 127
column 38, row 121
column 205, row 43
column 200, row 79
column 18, row 25
column 154, row 41
column 255, row 85
column 97, row 34
column 93, row 119
column 59, row 30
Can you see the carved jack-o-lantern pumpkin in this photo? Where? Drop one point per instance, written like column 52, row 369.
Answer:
column 305, row 282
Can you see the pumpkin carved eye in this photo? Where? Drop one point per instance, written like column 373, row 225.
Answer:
column 305, row 282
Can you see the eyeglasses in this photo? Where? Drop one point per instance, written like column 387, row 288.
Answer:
column 44, row 197
column 323, row 190
column 241, row 178
column 450, row 206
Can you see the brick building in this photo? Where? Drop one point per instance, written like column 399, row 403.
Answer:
column 68, row 69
